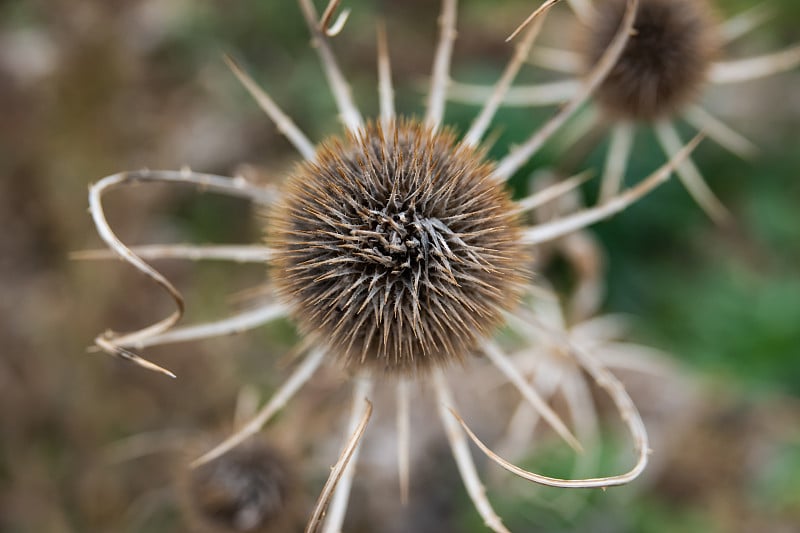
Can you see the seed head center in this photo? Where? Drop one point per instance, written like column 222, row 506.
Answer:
column 396, row 249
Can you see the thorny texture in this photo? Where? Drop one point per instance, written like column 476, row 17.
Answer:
column 250, row 489
column 666, row 60
column 397, row 249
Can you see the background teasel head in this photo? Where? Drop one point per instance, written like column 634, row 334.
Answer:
column 666, row 63
column 253, row 489
column 678, row 48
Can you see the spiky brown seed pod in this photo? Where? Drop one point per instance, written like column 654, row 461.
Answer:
column 665, row 62
column 251, row 489
column 397, row 249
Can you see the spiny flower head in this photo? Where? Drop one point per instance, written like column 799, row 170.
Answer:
column 397, row 247
column 251, row 489
column 665, row 62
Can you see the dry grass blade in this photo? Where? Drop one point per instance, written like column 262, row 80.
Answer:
column 541, row 9
column 337, row 471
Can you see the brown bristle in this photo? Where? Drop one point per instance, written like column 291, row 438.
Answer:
column 665, row 62
column 397, row 250
column 250, row 489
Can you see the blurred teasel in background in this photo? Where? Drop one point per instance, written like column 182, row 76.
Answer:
column 677, row 50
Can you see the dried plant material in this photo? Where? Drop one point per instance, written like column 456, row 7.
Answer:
column 460, row 448
column 622, row 401
column 338, row 470
column 495, row 98
column 237, row 254
column 507, row 166
column 398, row 251
column 279, row 399
column 563, row 226
column 533, row 16
column 348, row 111
column 664, row 65
column 253, row 489
column 397, row 248
column 672, row 56
column 325, row 26
column 437, row 95
column 281, row 120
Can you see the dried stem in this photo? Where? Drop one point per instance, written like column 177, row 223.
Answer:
column 538, row 11
column 339, row 468
column 327, row 15
column 344, row 480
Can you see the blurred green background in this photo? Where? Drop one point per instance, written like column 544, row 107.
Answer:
column 94, row 87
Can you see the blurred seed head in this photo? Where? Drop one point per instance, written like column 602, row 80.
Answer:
column 252, row 488
column 397, row 249
column 664, row 64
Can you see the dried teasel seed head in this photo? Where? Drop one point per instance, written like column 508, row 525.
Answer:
column 396, row 248
column 665, row 62
column 251, row 489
